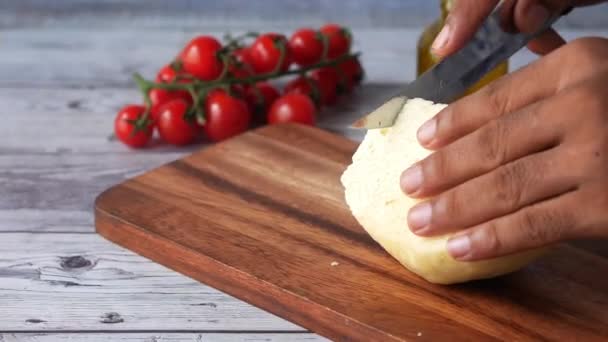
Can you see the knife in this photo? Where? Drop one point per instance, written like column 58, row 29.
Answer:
column 450, row 78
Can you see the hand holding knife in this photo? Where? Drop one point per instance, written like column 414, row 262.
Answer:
column 450, row 78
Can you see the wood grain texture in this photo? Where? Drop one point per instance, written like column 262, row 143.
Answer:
column 80, row 282
column 161, row 337
column 262, row 217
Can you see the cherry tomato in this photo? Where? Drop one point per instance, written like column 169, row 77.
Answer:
column 158, row 97
column 302, row 85
column 352, row 72
column 226, row 116
column 166, row 74
column 339, row 40
column 242, row 55
column 292, row 107
column 260, row 103
column 265, row 53
column 242, row 63
column 124, row 127
column 200, row 58
column 327, row 79
column 173, row 127
column 305, row 47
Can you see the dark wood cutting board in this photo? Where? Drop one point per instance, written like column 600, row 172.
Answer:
column 262, row 217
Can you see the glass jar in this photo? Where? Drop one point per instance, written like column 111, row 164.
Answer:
column 426, row 59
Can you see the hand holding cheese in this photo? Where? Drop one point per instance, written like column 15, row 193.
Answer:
column 372, row 192
column 522, row 163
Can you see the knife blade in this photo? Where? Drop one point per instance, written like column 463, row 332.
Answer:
column 451, row 77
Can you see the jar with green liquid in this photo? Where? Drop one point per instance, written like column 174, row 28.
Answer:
column 426, row 59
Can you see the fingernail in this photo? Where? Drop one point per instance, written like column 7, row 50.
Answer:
column 411, row 179
column 420, row 216
column 442, row 38
column 537, row 14
column 426, row 132
column 459, row 246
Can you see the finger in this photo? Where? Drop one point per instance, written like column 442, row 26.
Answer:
column 538, row 225
column 461, row 24
column 530, row 15
column 501, row 141
column 497, row 193
column 546, row 42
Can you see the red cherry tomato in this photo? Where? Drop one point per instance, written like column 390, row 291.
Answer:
column 158, row 97
column 352, row 72
column 226, row 116
column 124, row 127
column 242, row 66
column 267, row 95
column 265, row 53
column 327, row 79
column 200, row 58
column 292, row 107
column 173, row 127
column 302, row 85
column 242, row 55
column 166, row 74
column 339, row 40
column 305, row 47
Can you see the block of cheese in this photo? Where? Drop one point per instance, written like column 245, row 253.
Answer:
column 375, row 198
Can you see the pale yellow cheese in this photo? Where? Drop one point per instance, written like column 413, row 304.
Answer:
column 375, row 198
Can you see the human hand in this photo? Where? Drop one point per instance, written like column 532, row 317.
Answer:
column 525, row 15
column 523, row 162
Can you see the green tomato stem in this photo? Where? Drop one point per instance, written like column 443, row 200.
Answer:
column 145, row 85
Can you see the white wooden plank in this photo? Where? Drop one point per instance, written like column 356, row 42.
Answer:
column 42, row 124
column 108, row 57
column 178, row 14
column 160, row 337
column 82, row 282
column 55, row 158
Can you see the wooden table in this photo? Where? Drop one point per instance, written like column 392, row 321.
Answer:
column 61, row 87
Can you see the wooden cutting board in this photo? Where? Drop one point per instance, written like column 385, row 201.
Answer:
column 262, row 217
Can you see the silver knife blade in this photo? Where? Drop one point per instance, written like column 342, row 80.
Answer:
column 452, row 76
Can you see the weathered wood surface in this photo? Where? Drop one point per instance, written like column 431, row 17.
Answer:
column 55, row 155
column 81, row 282
column 107, row 58
column 60, row 86
column 177, row 14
